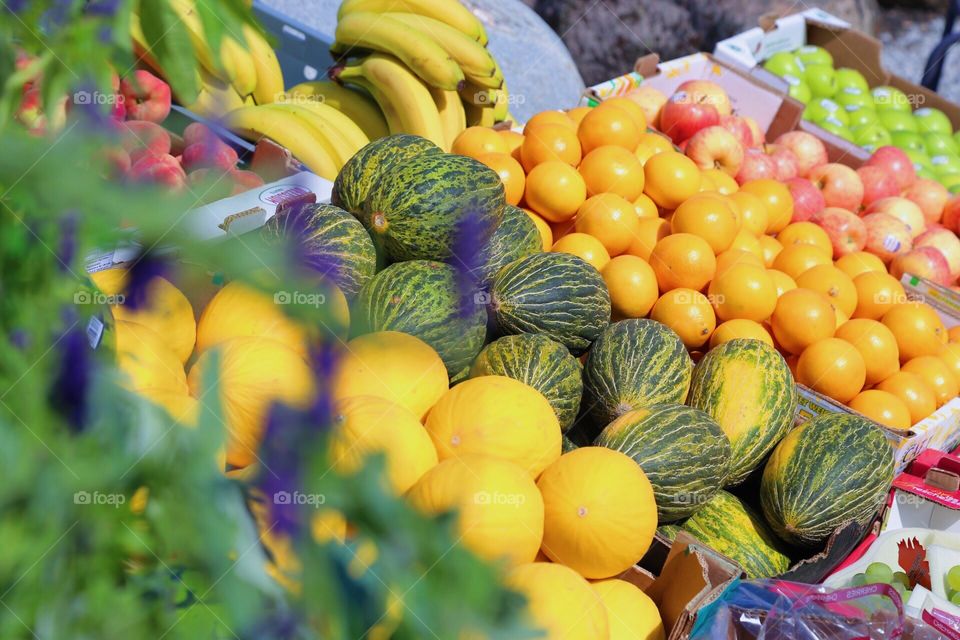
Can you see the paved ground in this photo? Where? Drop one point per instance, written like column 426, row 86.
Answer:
column 908, row 37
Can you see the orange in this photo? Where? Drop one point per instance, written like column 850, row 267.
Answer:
column 746, row 241
column 950, row 353
column 546, row 234
column 510, row 172
column 743, row 291
column 739, row 328
column 549, row 117
column 688, row 313
column 706, row 183
column 882, row 407
column 723, row 182
column 549, row 142
column 936, row 373
column 610, row 219
column 655, row 141
column 477, row 141
column 842, row 318
column 875, row 343
column 632, row 285
column 646, row 208
column 777, row 197
column 781, row 281
column 753, row 212
column 834, row 284
column 917, row 328
column 631, row 107
column 913, row 391
column 801, row 318
column 671, row 178
column 771, row 248
column 953, row 334
column 649, row 233
column 683, row 260
column 832, row 367
column 513, row 140
column 732, row 257
column 853, row 264
column 612, row 169
column 608, row 124
column 708, row 216
column 583, row 246
column 806, row 233
column 797, row 258
column 555, row 191
column 577, row 114
column 877, row 292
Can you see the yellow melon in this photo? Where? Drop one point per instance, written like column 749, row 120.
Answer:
column 497, row 416
column 168, row 312
column 500, row 511
column 631, row 612
column 146, row 361
column 395, row 366
column 560, row 602
column 599, row 511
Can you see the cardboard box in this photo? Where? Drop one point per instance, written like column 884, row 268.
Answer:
column 927, row 494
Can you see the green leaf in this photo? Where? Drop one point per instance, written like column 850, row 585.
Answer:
column 169, row 43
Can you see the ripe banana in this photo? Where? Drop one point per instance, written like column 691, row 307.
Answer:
column 390, row 113
column 284, row 127
column 216, row 97
column 337, row 144
column 400, row 90
column 452, row 116
column 269, row 75
column 416, row 49
column 477, row 96
column 358, row 107
column 450, row 12
column 346, row 129
column 501, row 104
column 476, row 62
column 479, row 116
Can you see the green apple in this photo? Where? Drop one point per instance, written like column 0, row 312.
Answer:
column 951, row 182
column 872, row 135
column 898, row 121
column 860, row 117
column 798, row 89
column 821, row 79
column 945, row 165
column 956, row 137
column 932, row 120
column 847, row 77
column 784, row 63
column 890, row 99
column 939, row 144
column 925, row 173
column 908, row 140
column 854, row 97
column 835, row 127
column 920, row 160
column 811, row 54
column 823, row 108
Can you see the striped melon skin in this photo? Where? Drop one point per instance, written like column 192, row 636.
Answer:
column 634, row 364
column 682, row 451
column 829, row 471
column 516, row 237
column 365, row 168
column 434, row 207
column 730, row 527
column 567, row 445
column 556, row 294
column 539, row 362
column 331, row 242
column 424, row 299
column 747, row 387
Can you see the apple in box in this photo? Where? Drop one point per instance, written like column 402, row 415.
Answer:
column 651, row 101
column 840, row 185
column 897, row 163
column 946, row 242
column 807, row 199
column 846, row 230
column 903, row 210
column 740, row 128
column 682, row 116
column 925, row 262
column 143, row 138
column 716, row 148
column 785, row 161
column 808, row 149
column 145, row 96
column 951, row 215
column 162, row 170
column 887, row 237
column 707, row 92
column 878, row 183
column 930, row 196
column 756, row 166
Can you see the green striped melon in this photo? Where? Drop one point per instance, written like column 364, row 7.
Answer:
column 370, row 163
column 516, row 237
column 539, row 362
column 669, row 531
column 682, row 451
column 434, row 206
column 329, row 241
column 730, row 527
column 747, row 387
column 568, row 445
column 834, row 469
column 634, row 364
column 556, row 294
column 424, row 299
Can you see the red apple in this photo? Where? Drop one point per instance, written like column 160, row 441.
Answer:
column 651, row 101
column 897, row 164
column 903, row 210
column 925, row 262
column 847, row 231
column 214, row 154
column 951, row 215
column 146, row 96
column 946, row 242
column 758, row 136
column 140, row 136
column 887, row 237
column 930, row 196
column 739, row 128
column 681, row 117
column 878, row 183
column 161, row 170
column 808, row 148
column 840, row 185
column 807, row 199
column 756, row 166
column 707, row 92
column 785, row 160
column 715, row 148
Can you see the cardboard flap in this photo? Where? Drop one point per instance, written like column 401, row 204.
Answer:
column 948, row 481
column 934, row 476
column 646, row 65
column 839, row 545
column 854, row 49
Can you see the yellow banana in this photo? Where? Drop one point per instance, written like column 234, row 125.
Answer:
column 337, row 144
column 345, row 128
column 239, row 65
column 479, row 116
column 501, row 104
column 399, row 87
column 358, row 107
column 452, row 116
column 414, row 48
column 306, row 143
column 475, row 61
column 269, row 75
column 450, row 12
column 390, row 112
column 477, row 96
column 233, row 64
column 216, row 97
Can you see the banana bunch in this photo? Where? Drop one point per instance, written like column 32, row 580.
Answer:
column 424, row 63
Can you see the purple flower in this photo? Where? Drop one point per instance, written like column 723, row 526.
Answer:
column 71, row 383
column 145, row 268
column 20, row 339
column 277, row 626
column 67, row 248
column 467, row 258
column 15, row 6
column 280, row 477
column 104, row 8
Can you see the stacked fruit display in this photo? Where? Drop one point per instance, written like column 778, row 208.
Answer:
column 842, row 102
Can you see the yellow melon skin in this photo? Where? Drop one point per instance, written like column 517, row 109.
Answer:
column 497, row 416
column 392, row 365
column 146, row 361
column 560, row 602
column 500, row 511
column 631, row 612
column 368, row 424
column 599, row 512
column 254, row 373
column 168, row 312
